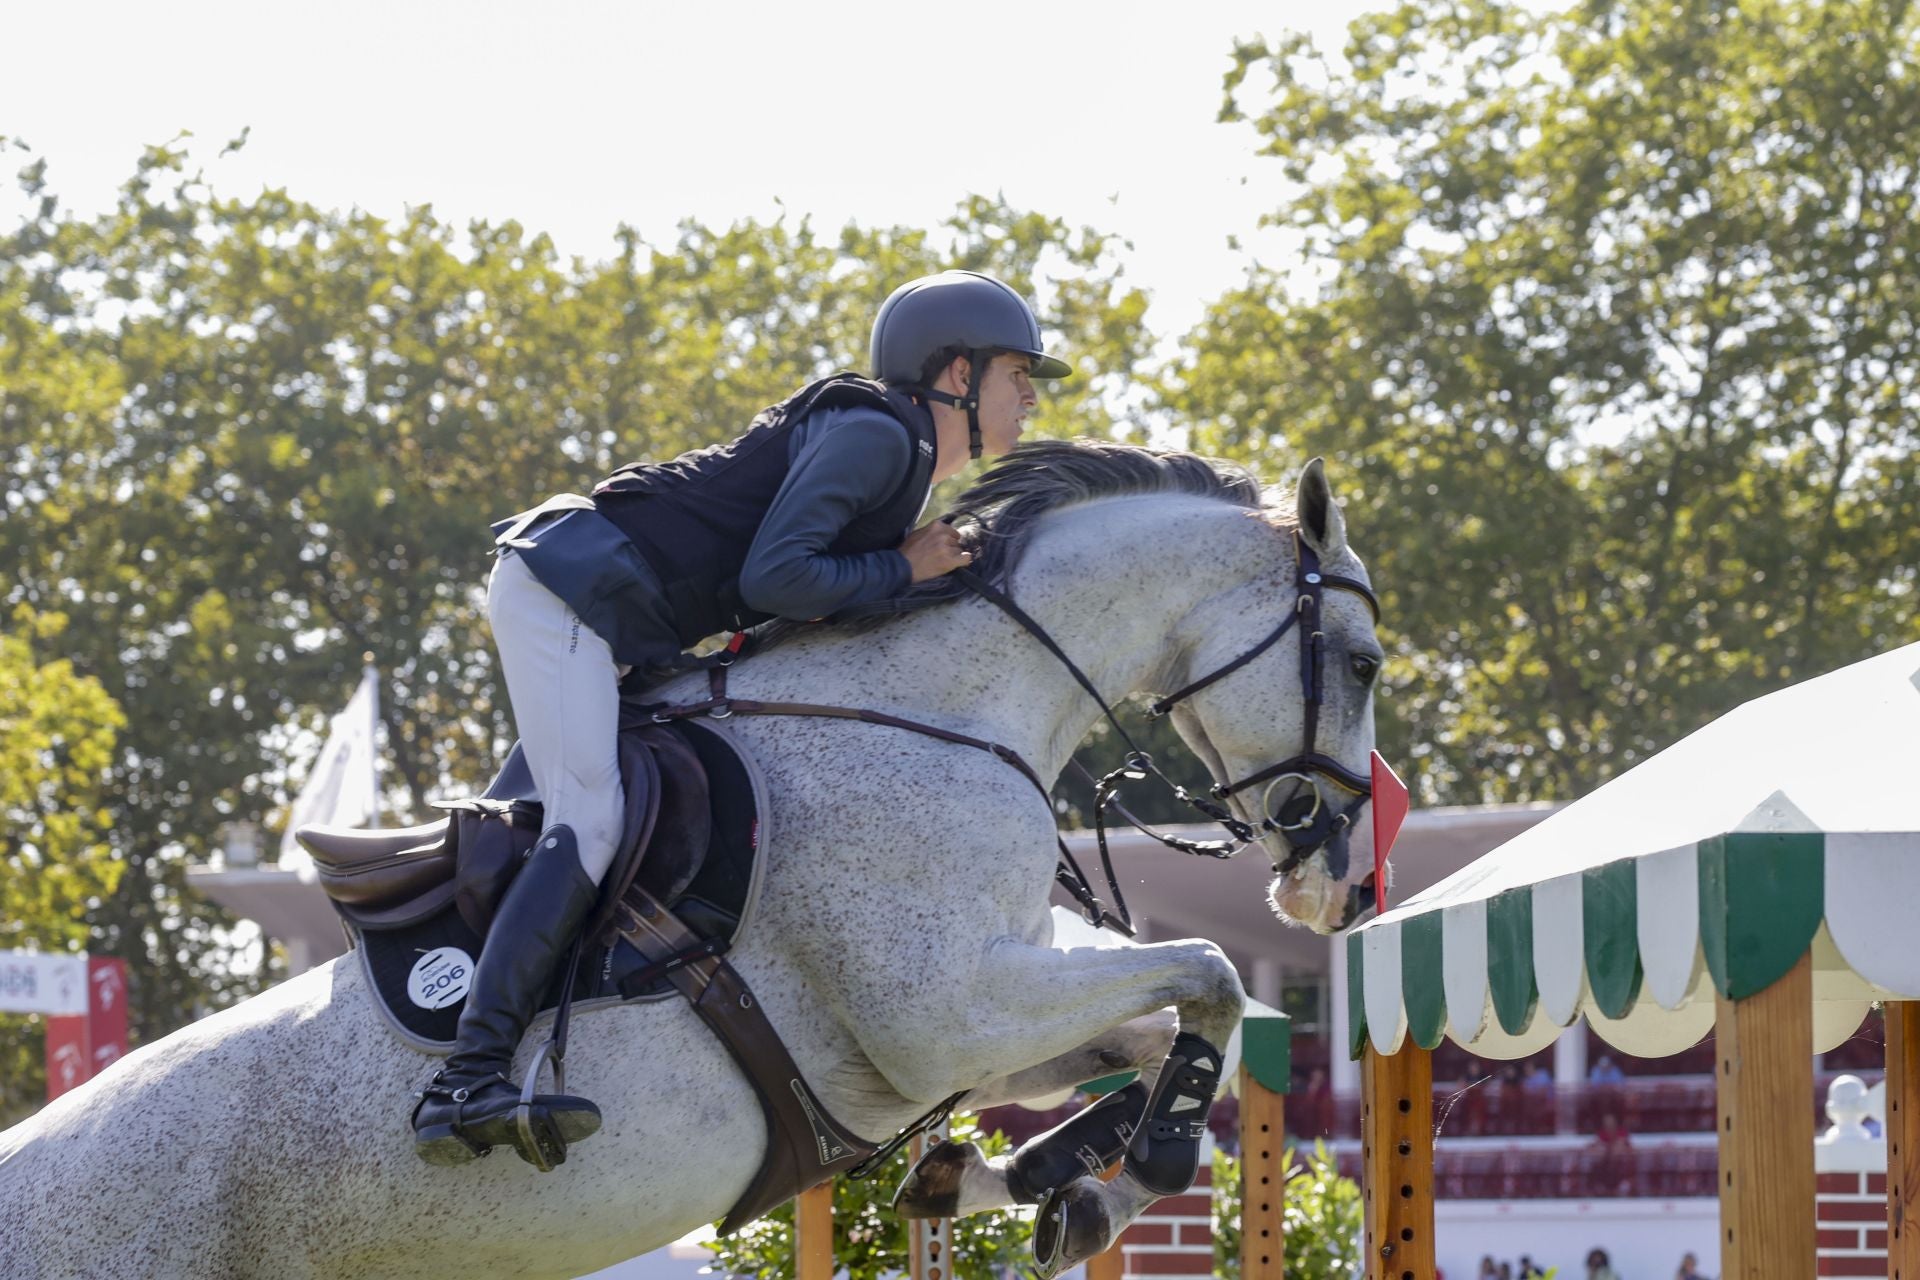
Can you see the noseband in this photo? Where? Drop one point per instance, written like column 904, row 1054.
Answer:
column 1307, row 833
column 1303, row 834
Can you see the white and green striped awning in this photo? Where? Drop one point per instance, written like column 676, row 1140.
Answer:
column 1790, row 823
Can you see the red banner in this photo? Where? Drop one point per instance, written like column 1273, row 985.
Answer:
column 69, row 1061
column 80, row 1046
column 106, row 1010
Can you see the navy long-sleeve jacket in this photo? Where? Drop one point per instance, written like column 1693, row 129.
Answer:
column 845, row 462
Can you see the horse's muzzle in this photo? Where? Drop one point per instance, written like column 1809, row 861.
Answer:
column 1360, row 900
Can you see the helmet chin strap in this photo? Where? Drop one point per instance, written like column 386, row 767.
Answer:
column 976, row 369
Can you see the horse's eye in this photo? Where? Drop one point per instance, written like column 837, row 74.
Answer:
column 1365, row 668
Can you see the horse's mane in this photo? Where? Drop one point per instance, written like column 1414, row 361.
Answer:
column 998, row 515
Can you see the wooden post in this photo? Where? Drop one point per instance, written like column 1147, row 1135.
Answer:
column 1766, row 1129
column 1396, row 1143
column 929, row 1240
column 1903, row 1140
column 813, row 1233
column 1266, row 1070
column 1263, row 1180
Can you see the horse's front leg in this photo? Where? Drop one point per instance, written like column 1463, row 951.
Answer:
column 1138, row 1045
column 1027, row 1005
column 954, row 1179
column 1018, row 1006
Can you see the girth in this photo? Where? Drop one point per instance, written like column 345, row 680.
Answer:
column 805, row 1146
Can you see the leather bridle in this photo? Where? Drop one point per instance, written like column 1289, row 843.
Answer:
column 1306, row 833
column 1303, row 834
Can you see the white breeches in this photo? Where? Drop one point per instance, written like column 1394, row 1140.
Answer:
column 565, row 689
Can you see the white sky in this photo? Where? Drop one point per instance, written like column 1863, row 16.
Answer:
column 574, row 117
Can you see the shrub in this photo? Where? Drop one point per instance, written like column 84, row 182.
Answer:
column 870, row 1240
column 1322, row 1214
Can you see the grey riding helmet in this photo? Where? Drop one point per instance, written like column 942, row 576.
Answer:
column 956, row 309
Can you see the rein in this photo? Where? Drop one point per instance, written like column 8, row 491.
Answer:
column 1303, row 835
column 720, row 706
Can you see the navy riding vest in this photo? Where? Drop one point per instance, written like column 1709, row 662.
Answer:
column 693, row 519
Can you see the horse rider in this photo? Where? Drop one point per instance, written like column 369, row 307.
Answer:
column 810, row 511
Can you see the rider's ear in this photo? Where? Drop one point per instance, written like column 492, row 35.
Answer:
column 1321, row 523
column 961, row 370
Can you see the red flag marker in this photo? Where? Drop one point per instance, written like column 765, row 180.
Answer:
column 1390, row 805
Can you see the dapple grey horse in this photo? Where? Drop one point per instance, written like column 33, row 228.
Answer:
column 901, row 946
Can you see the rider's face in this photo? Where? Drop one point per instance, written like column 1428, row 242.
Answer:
column 1006, row 397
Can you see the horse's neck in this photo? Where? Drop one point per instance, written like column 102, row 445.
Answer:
column 1109, row 585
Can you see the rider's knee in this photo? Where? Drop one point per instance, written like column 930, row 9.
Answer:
column 597, row 825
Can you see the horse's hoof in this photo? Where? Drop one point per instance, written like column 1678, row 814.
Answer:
column 1070, row 1226
column 931, row 1188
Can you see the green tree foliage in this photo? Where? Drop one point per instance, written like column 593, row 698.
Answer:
column 1607, row 326
column 247, row 442
column 1322, row 1216
column 870, row 1240
column 56, row 862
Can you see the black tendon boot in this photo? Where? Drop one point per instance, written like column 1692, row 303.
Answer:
column 471, row 1106
column 1085, row 1143
column 1164, row 1153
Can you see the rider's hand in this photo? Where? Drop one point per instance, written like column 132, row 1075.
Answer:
column 935, row 549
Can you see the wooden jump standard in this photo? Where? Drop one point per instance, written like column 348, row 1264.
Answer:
column 1265, row 1069
column 1764, row 1126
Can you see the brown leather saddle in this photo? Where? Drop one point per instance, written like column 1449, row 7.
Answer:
column 675, row 895
column 380, row 880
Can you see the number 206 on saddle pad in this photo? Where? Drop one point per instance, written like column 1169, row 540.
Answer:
column 416, row 901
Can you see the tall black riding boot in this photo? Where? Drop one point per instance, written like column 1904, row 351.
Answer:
column 471, row 1105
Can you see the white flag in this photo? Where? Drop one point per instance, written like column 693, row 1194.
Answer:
column 39, row 982
column 343, row 790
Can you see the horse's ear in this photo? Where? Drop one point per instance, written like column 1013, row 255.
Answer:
column 1321, row 523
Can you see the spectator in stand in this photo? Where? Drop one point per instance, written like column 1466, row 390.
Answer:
column 1471, row 1118
column 1538, row 1090
column 1604, row 1079
column 1506, row 1271
column 1529, row 1269
column 1503, row 1100
column 1598, row 1266
column 1689, row 1269
column 1489, row 1270
column 1613, row 1173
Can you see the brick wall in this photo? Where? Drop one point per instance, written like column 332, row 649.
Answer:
column 1852, row 1224
column 1175, row 1235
